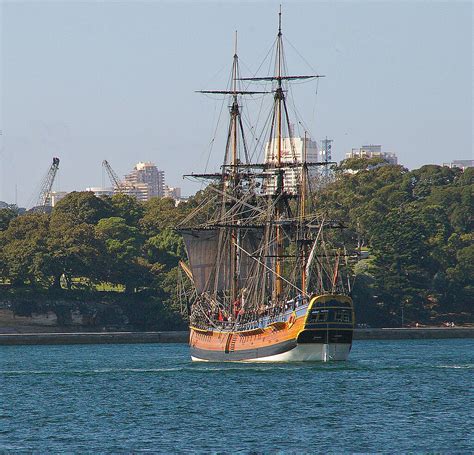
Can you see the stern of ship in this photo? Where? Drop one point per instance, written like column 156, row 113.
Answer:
column 328, row 329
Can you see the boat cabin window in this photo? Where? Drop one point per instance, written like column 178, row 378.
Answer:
column 318, row 316
column 332, row 303
column 342, row 316
column 323, row 316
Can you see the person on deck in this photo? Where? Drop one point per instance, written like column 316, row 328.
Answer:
column 236, row 306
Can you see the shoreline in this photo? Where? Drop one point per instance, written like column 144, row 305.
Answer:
column 63, row 338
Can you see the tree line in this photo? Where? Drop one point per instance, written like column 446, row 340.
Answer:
column 416, row 226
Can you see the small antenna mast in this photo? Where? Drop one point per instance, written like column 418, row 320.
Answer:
column 235, row 44
column 279, row 22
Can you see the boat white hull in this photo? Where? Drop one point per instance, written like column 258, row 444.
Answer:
column 311, row 352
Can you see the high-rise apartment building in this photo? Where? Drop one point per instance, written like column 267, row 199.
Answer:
column 144, row 182
column 293, row 151
column 372, row 151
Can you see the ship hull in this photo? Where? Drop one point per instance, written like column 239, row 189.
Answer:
column 315, row 352
column 297, row 337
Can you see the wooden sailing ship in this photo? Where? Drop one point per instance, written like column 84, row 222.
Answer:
column 268, row 285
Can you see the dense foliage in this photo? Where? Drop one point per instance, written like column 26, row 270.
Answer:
column 94, row 248
column 416, row 225
column 418, row 228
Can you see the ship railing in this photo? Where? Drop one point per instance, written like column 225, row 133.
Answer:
column 259, row 323
column 262, row 322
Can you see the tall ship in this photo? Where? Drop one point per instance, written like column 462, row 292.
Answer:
column 269, row 274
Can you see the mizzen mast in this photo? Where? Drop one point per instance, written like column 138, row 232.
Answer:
column 304, row 172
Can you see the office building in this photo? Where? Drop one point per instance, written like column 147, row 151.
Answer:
column 372, row 151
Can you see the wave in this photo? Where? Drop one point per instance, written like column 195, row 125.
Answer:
column 235, row 367
column 92, row 371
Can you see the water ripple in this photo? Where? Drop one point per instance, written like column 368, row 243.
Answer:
column 409, row 396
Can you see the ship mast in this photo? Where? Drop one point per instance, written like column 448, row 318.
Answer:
column 230, row 176
column 276, row 137
column 234, row 252
column 279, row 96
column 233, row 222
column 302, row 217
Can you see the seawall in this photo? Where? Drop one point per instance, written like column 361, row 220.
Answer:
column 422, row 333
column 94, row 338
column 182, row 337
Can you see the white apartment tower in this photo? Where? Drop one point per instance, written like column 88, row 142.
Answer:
column 145, row 181
column 292, row 152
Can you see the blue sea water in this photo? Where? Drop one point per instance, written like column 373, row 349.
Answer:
column 391, row 396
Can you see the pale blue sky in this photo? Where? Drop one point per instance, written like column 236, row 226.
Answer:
column 92, row 80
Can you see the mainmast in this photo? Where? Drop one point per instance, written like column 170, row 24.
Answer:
column 279, row 98
column 234, row 252
column 276, row 138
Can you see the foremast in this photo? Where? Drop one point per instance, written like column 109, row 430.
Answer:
column 231, row 173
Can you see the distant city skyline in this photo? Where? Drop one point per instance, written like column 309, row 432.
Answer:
column 87, row 81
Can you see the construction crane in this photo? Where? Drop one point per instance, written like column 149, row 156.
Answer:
column 114, row 179
column 44, row 199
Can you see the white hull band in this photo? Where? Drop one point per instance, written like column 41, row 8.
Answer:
column 311, row 352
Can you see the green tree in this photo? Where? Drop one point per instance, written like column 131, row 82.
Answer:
column 166, row 248
column 413, row 223
column 401, row 257
column 73, row 251
column 6, row 215
column 159, row 213
column 83, row 207
column 23, row 247
column 128, row 208
column 124, row 263
column 358, row 164
column 420, row 182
